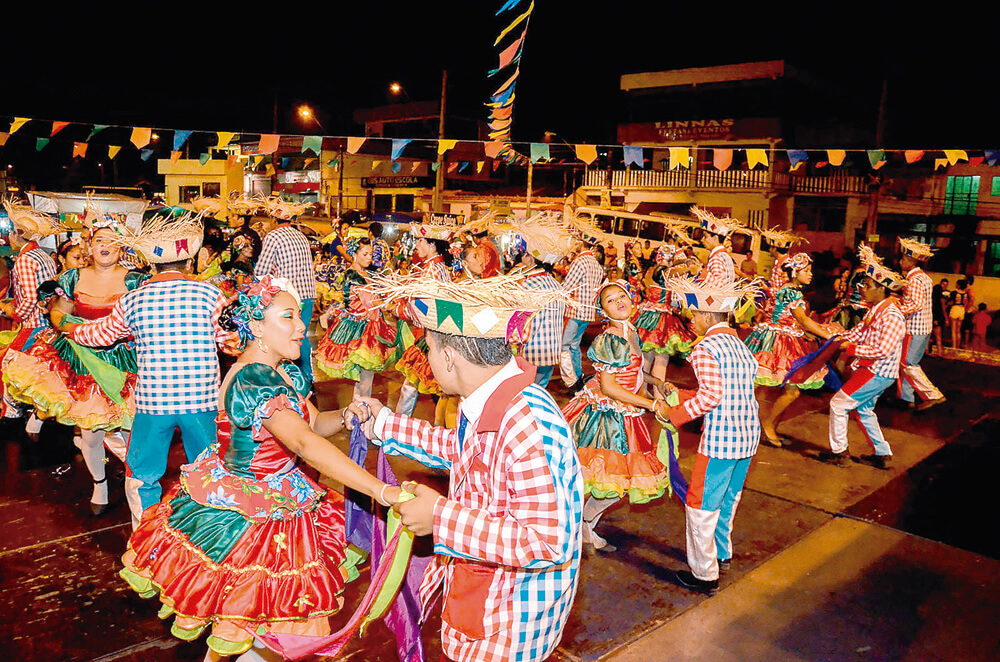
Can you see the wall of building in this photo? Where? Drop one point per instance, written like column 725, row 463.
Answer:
column 190, row 172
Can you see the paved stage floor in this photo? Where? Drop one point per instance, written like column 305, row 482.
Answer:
column 831, row 563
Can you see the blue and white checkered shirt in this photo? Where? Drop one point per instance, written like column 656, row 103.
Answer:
column 286, row 254
column 542, row 348
column 175, row 323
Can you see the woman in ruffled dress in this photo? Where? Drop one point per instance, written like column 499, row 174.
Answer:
column 249, row 541
column 785, row 336
column 362, row 341
column 92, row 390
column 662, row 331
column 617, row 453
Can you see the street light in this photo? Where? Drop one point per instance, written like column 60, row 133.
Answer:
column 395, row 88
column 306, row 114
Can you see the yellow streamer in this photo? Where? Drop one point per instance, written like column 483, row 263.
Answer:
column 514, row 24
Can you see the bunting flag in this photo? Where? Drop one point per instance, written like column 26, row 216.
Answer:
column 757, row 156
column 80, row 149
column 376, row 164
column 57, row 127
column 496, row 166
column 517, row 21
column 308, row 162
column 113, row 151
column 493, row 149
column 633, row 155
column 257, row 160
column 145, row 154
column 313, row 144
column 722, row 159
column 97, row 129
column 141, row 137
column 434, row 166
column 231, row 161
column 414, row 166
column 450, row 309
column 586, row 153
column 940, row 163
column 269, row 143
column 180, row 137
column 877, row 158
column 955, row 155
column 354, row 144
column 511, row 54
column 225, row 137
column 445, row 145
column 913, row 155
column 175, row 157
column 284, row 163
column 822, row 164
column 452, row 166
column 992, row 156
column 463, row 166
column 40, row 144
column 680, row 157
column 836, row 156
column 204, row 158
column 396, row 166
column 479, row 166
column 975, row 160
column 17, row 124
column 332, row 163
column 398, row 145
column 797, row 157
column 269, row 170
column 3, row 138
column 539, row 152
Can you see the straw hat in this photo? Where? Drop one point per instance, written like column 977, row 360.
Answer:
column 280, row 209
column 547, row 238
column 163, row 239
column 496, row 307
column 780, row 238
column 712, row 223
column 435, row 226
column 915, row 249
column 692, row 294
column 877, row 271
column 32, row 223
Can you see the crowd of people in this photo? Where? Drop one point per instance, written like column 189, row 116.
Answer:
column 128, row 334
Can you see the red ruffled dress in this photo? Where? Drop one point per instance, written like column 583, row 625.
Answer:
column 58, row 378
column 616, row 452
column 778, row 341
column 248, row 538
column 660, row 326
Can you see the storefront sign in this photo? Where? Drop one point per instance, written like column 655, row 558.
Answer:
column 401, row 181
column 686, row 130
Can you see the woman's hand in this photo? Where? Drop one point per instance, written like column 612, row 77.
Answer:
column 662, row 410
column 324, row 320
column 388, row 495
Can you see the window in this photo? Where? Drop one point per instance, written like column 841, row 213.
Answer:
column 404, row 202
column 383, row 202
column 820, row 214
column 960, row 195
column 991, row 265
column 189, row 193
column 995, row 186
column 210, row 189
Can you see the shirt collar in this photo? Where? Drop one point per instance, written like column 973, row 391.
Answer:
column 472, row 406
column 167, row 275
column 912, row 271
column 30, row 246
column 718, row 248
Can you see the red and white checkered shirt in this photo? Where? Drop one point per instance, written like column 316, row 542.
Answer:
column 436, row 268
column 286, row 253
column 917, row 305
column 32, row 267
column 514, row 512
column 585, row 275
column 720, row 270
column 879, row 338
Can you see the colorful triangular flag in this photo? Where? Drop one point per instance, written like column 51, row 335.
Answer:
column 539, row 152
column 398, row 145
column 445, row 145
column 141, row 136
column 268, row 143
column 175, row 157
column 204, row 158
column 836, row 156
column 225, row 137
column 313, row 144
column 80, row 149
column 97, row 129
column 354, row 144
column 913, row 155
column 113, row 151
column 145, row 154
column 57, row 127
column 876, row 157
column 722, row 159
column 586, row 153
column 756, row 156
column 680, row 157
column 17, row 124
column 955, row 155
column 633, row 155
column 40, row 143
column 180, row 137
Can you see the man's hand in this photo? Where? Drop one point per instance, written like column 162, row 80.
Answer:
column 366, row 409
column 417, row 514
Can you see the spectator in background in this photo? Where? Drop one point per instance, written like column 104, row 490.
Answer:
column 970, row 310
column 980, row 325
column 956, row 311
column 610, row 254
column 940, row 295
column 338, row 249
column 647, row 254
column 381, row 253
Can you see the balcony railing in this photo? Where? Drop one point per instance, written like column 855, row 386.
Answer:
column 727, row 179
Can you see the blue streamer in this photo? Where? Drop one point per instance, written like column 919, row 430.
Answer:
column 357, row 520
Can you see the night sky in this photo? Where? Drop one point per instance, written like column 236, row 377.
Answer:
column 172, row 66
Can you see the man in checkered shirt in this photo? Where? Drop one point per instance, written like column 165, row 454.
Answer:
column 286, row 253
column 917, row 307
column 542, row 348
column 508, row 536
column 725, row 370
column 175, row 323
column 877, row 345
column 582, row 280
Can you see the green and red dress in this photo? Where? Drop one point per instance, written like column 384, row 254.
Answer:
column 248, row 541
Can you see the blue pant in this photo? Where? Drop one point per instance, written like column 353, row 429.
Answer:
column 858, row 395
column 543, row 374
column 305, row 359
column 149, row 445
column 570, row 355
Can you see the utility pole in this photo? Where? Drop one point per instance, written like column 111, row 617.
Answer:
column 871, row 224
column 340, row 182
column 438, row 200
column 531, row 172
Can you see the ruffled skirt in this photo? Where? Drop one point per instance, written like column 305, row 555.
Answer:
column 663, row 332
column 215, row 567
column 356, row 343
column 775, row 350
column 54, row 378
column 616, row 452
column 416, row 369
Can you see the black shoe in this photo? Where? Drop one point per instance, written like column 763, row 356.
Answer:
column 838, row 459
column 724, row 565
column 927, row 404
column 577, row 386
column 708, row 587
column 883, row 462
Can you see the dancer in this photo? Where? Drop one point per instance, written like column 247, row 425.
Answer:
column 362, row 341
column 93, row 390
column 725, row 369
column 720, row 270
column 779, row 244
column 852, row 307
column 431, row 247
column 512, row 514
column 248, row 541
column 616, row 451
column 782, row 338
column 175, row 323
column 917, row 306
column 877, row 346
column 582, row 280
column 661, row 330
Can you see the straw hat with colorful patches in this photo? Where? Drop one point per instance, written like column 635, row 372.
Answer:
column 780, row 238
column 915, row 249
column 164, row 239
column 712, row 223
column 547, row 238
column 877, row 271
column 496, row 307
column 435, row 226
column 689, row 293
column 31, row 223
column 281, row 209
